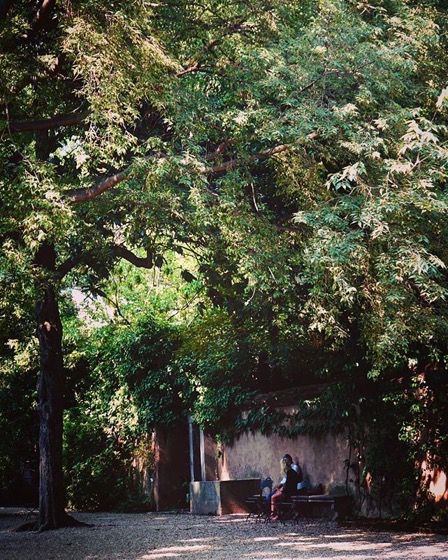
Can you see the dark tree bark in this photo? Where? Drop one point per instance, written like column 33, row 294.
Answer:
column 50, row 399
column 51, row 387
column 72, row 119
column 51, row 383
column 50, row 396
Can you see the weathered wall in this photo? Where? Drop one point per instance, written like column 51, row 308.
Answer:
column 437, row 483
column 322, row 457
column 211, row 466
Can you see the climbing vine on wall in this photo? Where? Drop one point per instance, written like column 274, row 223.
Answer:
column 393, row 429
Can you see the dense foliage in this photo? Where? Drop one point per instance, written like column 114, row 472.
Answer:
column 278, row 172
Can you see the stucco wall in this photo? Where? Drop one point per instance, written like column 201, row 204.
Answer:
column 211, row 467
column 255, row 455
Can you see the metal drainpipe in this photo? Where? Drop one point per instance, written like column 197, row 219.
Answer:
column 202, row 453
column 190, row 440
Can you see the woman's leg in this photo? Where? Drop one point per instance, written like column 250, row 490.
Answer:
column 274, row 499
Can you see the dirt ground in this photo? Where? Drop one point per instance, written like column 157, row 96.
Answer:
column 158, row 536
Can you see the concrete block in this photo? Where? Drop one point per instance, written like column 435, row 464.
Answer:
column 222, row 497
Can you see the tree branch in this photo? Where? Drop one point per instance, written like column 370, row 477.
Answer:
column 69, row 265
column 113, row 303
column 117, row 250
column 221, row 148
column 141, row 262
column 193, row 68
column 47, row 124
column 42, row 16
column 196, row 63
column 288, row 229
column 83, row 195
column 237, row 162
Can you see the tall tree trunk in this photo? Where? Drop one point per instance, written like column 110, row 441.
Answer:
column 52, row 514
column 50, row 395
column 51, row 386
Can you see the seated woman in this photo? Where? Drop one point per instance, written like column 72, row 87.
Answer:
column 284, row 491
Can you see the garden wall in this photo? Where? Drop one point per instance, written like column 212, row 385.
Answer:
column 322, row 458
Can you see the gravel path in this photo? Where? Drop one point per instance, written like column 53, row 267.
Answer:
column 156, row 536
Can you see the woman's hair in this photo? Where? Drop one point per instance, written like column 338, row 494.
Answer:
column 285, row 464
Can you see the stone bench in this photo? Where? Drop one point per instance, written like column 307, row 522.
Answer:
column 338, row 505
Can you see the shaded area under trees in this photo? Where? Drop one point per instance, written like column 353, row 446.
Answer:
column 289, row 160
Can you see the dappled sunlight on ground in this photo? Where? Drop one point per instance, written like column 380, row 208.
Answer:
column 194, row 540
column 256, row 542
column 348, row 546
column 271, row 556
column 420, row 552
column 226, row 519
column 175, row 551
column 159, row 555
column 158, row 536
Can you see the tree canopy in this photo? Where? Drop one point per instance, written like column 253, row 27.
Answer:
column 278, row 172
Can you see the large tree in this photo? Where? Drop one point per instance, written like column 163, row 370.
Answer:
column 50, row 127
column 278, row 144
column 84, row 90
